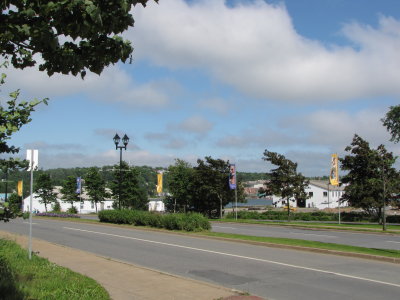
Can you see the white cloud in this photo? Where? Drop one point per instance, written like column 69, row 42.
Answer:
column 168, row 141
column 195, row 124
column 217, row 105
column 337, row 128
column 114, row 85
column 54, row 147
column 255, row 48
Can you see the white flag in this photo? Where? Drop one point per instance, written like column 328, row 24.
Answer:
column 33, row 164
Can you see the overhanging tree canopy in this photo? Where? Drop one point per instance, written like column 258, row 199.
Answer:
column 71, row 36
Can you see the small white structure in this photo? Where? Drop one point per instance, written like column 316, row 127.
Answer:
column 85, row 206
column 322, row 195
column 156, row 205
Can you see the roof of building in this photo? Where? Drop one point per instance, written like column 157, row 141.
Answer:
column 324, row 184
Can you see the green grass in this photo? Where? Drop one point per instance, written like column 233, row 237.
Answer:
column 308, row 244
column 395, row 229
column 21, row 278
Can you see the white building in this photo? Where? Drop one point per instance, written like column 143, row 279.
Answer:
column 85, row 206
column 322, row 195
column 156, row 205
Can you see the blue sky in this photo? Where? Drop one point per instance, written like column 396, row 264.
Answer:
column 227, row 79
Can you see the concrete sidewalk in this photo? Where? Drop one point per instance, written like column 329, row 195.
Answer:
column 125, row 281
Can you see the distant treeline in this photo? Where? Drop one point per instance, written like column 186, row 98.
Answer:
column 148, row 177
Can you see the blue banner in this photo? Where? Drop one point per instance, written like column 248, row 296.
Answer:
column 78, row 185
column 232, row 177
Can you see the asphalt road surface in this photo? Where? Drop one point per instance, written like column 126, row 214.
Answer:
column 361, row 239
column 267, row 272
column 369, row 240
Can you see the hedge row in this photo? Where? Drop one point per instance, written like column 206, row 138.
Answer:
column 311, row 216
column 59, row 215
column 187, row 222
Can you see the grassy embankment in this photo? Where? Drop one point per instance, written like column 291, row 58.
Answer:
column 21, row 278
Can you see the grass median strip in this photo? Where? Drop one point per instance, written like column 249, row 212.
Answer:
column 394, row 229
column 21, row 278
column 307, row 244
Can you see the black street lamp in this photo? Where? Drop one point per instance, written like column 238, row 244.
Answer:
column 125, row 141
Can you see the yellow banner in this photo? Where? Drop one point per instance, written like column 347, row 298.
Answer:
column 159, row 183
column 19, row 188
column 334, row 173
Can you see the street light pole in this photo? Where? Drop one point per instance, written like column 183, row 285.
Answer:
column 125, row 141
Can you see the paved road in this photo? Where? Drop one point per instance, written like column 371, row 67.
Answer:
column 369, row 240
column 267, row 272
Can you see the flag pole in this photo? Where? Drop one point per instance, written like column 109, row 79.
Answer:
column 30, row 207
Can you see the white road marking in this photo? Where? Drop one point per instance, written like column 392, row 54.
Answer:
column 393, row 242
column 28, row 223
column 240, row 256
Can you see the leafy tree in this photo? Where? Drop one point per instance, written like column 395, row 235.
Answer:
column 71, row 36
column 180, row 178
column 211, row 190
column 15, row 202
column 95, row 186
column 68, row 191
column 12, row 117
column 250, row 176
column 371, row 179
column 285, row 181
column 126, row 188
column 392, row 122
column 44, row 190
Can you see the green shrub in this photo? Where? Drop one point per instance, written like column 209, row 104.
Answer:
column 393, row 219
column 57, row 207
column 180, row 221
column 195, row 222
column 309, row 216
column 72, row 210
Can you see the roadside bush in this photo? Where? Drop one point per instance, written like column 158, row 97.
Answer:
column 57, row 215
column 180, row 221
column 393, row 219
column 195, row 222
column 72, row 210
column 310, row 216
column 57, row 207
